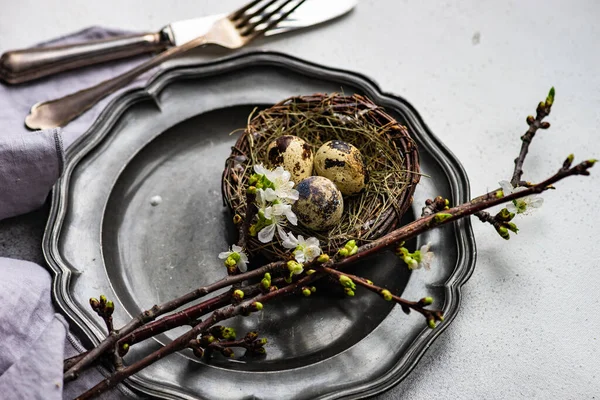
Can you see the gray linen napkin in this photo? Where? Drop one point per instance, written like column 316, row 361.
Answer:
column 32, row 335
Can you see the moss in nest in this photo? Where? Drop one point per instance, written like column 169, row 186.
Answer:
column 388, row 152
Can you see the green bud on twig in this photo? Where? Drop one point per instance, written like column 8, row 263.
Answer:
column 431, row 323
column 347, row 282
column 343, row 252
column 295, row 267
column 266, row 283
column 503, row 232
column 530, row 119
column 228, row 333
column 109, row 308
column 505, row 215
column 323, row 258
column 237, row 219
column 310, row 272
column 230, row 262
column 441, row 217
column 568, row 161
column 427, row 301
column 349, row 292
column 512, row 227
column 102, row 300
column 252, row 230
column 257, row 306
column 550, row 97
column 545, row 125
column 238, row 294
column 313, row 289
column 306, row 291
column 251, row 336
column 94, row 303
column 387, row 295
column 228, row 352
column 251, row 190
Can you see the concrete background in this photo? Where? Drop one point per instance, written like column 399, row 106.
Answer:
column 528, row 327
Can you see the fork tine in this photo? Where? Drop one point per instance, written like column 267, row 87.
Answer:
column 247, row 18
column 238, row 13
column 248, row 31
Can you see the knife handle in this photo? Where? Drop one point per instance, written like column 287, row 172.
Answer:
column 18, row 66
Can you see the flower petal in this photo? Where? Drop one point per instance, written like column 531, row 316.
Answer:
column 266, row 234
column 236, row 248
column 312, row 241
column 425, row 248
column 261, row 199
column 511, row 208
column 507, row 188
column 293, row 194
column 268, row 212
column 260, row 169
column 299, row 256
column 281, row 209
column 536, row 202
column 270, row 195
column 290, row 242
column 281, row 232
column 312, row 252
column 242, row 264
column 292, row 217
column 224, row 255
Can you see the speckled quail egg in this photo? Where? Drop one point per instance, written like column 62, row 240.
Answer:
column 344, row 165
column 293, row 154
column 320, row 204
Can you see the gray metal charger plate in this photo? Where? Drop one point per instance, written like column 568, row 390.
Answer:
column 170, row 140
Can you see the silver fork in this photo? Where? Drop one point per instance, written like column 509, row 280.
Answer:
column 234, row 31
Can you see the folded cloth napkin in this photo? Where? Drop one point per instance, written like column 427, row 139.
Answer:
column 29, row 166
column 32, row 335
column 30, row 162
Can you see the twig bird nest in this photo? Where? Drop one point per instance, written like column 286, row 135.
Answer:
column 388, row 152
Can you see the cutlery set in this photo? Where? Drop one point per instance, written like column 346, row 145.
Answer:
column 233, row 31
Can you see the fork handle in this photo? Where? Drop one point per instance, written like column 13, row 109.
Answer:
column 59, row 112
column 18, row 66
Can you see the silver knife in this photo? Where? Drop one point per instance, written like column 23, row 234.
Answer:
column 18, row 66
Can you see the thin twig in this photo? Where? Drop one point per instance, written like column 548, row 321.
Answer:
column 478, row 204
column 158, row 310
column 543, row 110
column 183, row 341
column 417, row 306
column 489, row 200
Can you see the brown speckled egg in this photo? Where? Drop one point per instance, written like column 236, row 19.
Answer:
column 320, row 204
column 293, row 154
column 343, row 164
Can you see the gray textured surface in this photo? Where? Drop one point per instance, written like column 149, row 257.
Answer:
column 474, row 71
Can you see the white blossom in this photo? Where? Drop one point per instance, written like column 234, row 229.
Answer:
column 305, row 250
column 283, row 187
column 238, row 255
column 523, row 205
column 426, row 256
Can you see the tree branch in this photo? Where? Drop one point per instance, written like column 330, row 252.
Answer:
column 158, row 310
column 543, row 110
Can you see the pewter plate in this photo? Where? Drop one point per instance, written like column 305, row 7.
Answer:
column 170, row 140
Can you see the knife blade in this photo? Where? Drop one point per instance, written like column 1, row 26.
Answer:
column 25, row 65
column 311, row 13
